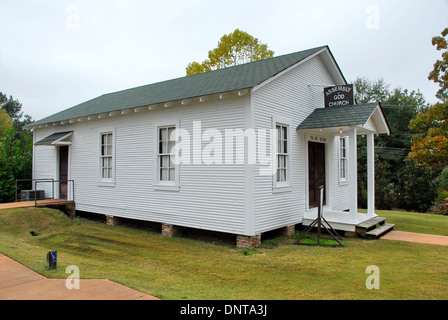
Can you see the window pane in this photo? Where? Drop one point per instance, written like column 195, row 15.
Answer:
column 172, row 161
column 281, row 175
column 107, row 173
column 281, row 164
column 279, row 146
column 165, row 162
column 343, row 168
column 170, row 148
column 171, row 135
column 162, row 140
column 162, row 134
column 164, row 174
column 108, row 150
column 172, row 173
column 165, row 147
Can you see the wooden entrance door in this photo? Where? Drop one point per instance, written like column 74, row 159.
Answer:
column 316, row 171
column 63, row 172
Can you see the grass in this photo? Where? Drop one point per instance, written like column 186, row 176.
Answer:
column 182, row 268
column 417, row 222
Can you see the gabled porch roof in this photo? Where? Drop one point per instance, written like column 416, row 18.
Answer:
column 55, row 139
column 366, row 117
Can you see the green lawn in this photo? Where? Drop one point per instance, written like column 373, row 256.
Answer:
column 181, row 268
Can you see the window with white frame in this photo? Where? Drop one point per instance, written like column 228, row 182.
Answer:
column 166, row 154
column 106, row 156
column 282, row 153
column 343, row 158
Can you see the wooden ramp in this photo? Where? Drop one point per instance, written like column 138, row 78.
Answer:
column 38, row 203
column 14, row 205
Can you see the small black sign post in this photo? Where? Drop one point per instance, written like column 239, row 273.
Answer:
column 52, row 259
column 338, row 96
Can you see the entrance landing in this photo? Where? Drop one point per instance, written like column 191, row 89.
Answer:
column 339, row 220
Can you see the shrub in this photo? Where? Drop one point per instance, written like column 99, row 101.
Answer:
column 441, row 208
column 442, row 179
column 416, row 190
column 442, row 195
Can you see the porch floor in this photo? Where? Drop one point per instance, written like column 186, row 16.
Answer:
column 339, row 220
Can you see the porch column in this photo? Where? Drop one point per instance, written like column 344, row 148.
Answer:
column 353, row 173
column 371, row 175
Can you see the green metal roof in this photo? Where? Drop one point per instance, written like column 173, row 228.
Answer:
column 223, row 80
column 343, row 116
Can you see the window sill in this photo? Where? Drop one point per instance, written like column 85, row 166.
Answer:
column 281, row 189
column 106, row 184
column 166, row 187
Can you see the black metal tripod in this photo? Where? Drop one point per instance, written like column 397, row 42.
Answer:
column 318, row 221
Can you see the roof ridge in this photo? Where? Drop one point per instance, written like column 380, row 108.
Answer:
column 242, row 76
column 219, row 70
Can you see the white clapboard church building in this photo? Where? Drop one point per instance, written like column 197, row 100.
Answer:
column 240, row 150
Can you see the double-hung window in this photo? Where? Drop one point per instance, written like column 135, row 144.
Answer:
column 343, row 159
column 166, row 154
column 106, row 166
column 282, row 153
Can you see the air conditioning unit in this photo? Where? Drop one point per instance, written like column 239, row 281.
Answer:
column 30, row 195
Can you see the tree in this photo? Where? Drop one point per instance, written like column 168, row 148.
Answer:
column 430, row 144
column 400, row 106
column 235, row 48
column 417, row 189
column 13, row 108
column 16, row 146
column 367, row 91
column 5, row 123
column 15, row 161
column 440, row 72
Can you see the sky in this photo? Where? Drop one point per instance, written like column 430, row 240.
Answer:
column 55, row 54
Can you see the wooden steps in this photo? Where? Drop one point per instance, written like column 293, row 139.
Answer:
column 374, row 228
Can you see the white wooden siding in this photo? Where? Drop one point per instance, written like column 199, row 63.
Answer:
column 211, row 197
column 294, row 96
